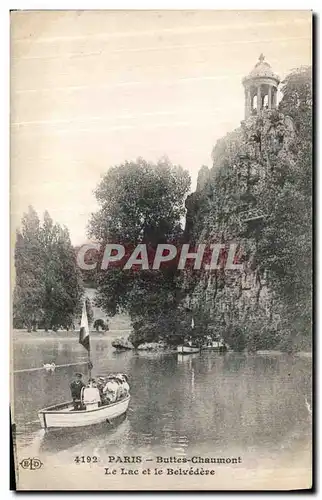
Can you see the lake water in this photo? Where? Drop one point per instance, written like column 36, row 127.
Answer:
column 252, row 406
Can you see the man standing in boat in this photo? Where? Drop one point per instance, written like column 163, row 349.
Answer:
column 76, row 387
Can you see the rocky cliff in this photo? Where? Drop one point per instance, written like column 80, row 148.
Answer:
column 235, row 203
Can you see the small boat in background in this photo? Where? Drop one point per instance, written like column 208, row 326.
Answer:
column 189, row 346
column 214, row 345
column 187, row 349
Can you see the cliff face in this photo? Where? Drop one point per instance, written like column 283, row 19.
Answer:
column 234, row 203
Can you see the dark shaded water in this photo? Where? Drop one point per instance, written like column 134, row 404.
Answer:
column 180, row 404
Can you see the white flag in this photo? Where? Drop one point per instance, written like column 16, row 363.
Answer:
column 84, row 329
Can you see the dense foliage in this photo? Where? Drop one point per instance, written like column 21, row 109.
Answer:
column 48, row 290
column 286, row 247
column 140, row 202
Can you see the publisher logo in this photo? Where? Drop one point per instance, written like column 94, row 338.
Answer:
column 31, row 463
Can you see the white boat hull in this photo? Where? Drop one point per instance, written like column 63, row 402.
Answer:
column 183, row 349
column 59, row 416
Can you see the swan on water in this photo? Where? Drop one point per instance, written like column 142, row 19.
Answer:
column 49, row 367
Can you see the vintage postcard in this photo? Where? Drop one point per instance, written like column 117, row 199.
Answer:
column 161, row 235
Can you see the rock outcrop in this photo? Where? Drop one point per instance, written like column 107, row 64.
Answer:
column 152, row 346
column 122, row 343
column 232, row 204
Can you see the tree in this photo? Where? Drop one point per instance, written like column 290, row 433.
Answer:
column 61, row 277
column 48, row 288
column 297, row 100
column 29, row 288
column 140, row 202
column 286, row 247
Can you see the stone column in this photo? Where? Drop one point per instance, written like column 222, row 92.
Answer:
column 259, row 98
column 248, row 103
column 263, row 101
column 269, row 97
column 274, row 96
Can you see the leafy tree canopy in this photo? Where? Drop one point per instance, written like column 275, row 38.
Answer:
column 140, row 202
column 48, row 288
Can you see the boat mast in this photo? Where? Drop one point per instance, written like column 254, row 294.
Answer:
column 89, row 362
column 84, row 338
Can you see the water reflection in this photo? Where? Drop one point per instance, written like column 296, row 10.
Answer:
column 187, row 359
column 203, row 402
column 55, row 440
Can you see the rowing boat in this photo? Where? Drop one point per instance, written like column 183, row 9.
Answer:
column 63, row 415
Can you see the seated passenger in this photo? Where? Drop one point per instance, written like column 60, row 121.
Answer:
column 124, row 386
column 111, row 388
column 91, row 395
column 120, row 392
column 100, row 386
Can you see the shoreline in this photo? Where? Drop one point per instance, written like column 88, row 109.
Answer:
column 20, row 336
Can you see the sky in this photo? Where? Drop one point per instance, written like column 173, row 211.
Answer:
column 91, row 89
